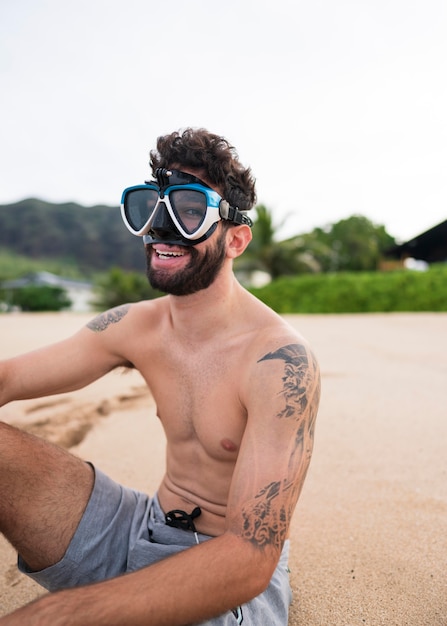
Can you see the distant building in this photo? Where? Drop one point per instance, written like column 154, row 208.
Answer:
column 79, row 292
column 430, row 246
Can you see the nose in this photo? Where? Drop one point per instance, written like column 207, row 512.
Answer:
column 162, row 225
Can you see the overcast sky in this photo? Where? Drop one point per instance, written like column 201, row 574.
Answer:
column 339, row 106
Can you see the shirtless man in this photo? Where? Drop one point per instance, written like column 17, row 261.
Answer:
column 237, row 392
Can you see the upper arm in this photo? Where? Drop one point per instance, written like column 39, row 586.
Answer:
column 282, row 398
column 67, row 365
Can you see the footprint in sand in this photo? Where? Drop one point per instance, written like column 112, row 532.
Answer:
column 66, row 422
column 12, row 576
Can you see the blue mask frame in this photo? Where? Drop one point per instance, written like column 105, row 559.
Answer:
column 160, row 206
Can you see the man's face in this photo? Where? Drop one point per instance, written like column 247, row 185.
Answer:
column 183, row 270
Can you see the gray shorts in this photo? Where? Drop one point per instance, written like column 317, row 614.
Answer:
column 123, row 530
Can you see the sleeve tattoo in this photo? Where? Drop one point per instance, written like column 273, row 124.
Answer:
column 103, row 321
column 266, row 517
column 295, row 379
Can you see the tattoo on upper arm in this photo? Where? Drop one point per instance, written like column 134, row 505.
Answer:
column 295, row 379
column 267, row 515
column 103, row 321
column 301, row 388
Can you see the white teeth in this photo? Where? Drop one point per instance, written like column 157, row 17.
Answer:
column 166, row 255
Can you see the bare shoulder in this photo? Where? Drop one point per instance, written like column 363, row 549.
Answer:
column 289, row 346
column 275, row 339
column 126, row 314
column 103, row 320
column 282, row 359
column 118, row 332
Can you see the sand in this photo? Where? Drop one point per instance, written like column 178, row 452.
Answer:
column 369, row 536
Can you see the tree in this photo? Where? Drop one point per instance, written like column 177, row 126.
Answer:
column 266, row 254
column 357, row 244
column 352, row 244
column 119, row 287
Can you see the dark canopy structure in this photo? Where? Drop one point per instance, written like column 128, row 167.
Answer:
column 430, row 246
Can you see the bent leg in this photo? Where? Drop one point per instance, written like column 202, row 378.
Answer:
column 43, row 493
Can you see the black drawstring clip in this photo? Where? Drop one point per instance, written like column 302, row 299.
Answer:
column 183, row 520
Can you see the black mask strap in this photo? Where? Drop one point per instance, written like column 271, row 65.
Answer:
column 166, row 177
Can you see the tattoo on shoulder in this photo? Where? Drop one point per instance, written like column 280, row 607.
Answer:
column 296, row 376
column 103, row 321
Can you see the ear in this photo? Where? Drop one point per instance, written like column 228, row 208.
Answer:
column 238, row 238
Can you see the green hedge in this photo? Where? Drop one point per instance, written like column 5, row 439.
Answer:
column 37, row 298
column 358, row 292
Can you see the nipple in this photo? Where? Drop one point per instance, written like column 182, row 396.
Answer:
column 228, row 445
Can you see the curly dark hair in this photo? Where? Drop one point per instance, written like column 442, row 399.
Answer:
column 215, row 156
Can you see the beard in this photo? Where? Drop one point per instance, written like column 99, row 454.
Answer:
column 199, row 273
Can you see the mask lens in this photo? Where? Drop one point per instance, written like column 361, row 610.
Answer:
column 189, row 207
column 139, row 205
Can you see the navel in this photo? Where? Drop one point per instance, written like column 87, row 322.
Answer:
column 228, row 445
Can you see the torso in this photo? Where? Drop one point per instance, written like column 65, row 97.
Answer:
column 198, row 387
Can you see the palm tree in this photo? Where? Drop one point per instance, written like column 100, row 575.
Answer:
column 276, row 258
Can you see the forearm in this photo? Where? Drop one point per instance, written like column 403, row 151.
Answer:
column 189, row 587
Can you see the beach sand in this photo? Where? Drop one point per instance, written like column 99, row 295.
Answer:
column 369, row 536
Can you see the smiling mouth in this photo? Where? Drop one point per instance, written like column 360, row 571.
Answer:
column 168, row 254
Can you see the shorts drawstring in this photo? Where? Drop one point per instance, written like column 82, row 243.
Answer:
column 183, row 520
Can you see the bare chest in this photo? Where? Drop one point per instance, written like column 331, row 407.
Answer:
column 197, row 393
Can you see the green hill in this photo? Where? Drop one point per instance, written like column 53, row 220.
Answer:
column 92, row 238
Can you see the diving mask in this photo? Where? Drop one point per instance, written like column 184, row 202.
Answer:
column 180, row 205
